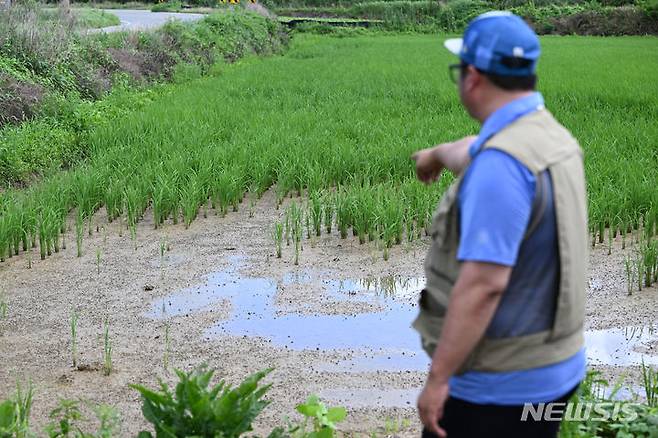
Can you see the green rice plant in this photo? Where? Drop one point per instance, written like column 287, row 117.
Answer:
column 167, row 340
column 191, row 197
column 113, row 200
column 298, row 247
column 194, row 408
column 162, row 200
column 98, row 261
column 29, row 259
column 639, row 267
column 601, row 232
column 316, row 212
column 74, row 336
column 4, row 307
column 307, row 221
column 393, row 426
column 163, row 249
column 296, row 215
column 79, row 232
column 623, row 225
column 67, row 420
column 107, row 348
column 343, row 212
column 328, row 211
column 630, row 274
column 650, row 261
column 278, row 238
column 650, row 383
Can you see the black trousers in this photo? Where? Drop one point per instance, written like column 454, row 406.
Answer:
column 462, row 419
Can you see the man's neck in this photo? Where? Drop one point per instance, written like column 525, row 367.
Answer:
column 497, row 100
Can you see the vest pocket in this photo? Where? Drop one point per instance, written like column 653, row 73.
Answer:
column 441, row 217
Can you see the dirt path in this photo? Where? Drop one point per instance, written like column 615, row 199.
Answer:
column 308, row 302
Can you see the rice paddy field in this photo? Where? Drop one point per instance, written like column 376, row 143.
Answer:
column 290, row 177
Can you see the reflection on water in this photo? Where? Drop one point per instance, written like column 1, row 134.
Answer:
column 385, row 334
column 623, row 346
column 377, row 340
column 364, row 398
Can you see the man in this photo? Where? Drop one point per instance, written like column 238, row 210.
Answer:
column 503, row 308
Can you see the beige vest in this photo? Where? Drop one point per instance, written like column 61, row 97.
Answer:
column 539, row 142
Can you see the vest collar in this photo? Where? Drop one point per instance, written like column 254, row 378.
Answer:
column 504, row 116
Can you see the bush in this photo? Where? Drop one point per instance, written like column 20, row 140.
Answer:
column 196, row 409
column 650, row 8
column 174, row 6
column 36, row 148
column 18, row 100
column 602, row 22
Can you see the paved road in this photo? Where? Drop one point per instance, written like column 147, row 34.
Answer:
column 143, row 20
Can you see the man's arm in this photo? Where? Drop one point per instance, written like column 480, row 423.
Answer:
column 473, row 302
column 452, row 156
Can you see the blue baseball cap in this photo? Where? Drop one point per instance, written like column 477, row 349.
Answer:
column 500, row 43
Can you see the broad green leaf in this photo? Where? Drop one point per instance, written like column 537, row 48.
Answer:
column 337, row 414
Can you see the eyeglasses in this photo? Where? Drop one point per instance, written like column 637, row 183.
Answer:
column 454, row 71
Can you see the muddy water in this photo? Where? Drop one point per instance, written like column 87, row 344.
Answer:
column 379, row 338
column 623, row 346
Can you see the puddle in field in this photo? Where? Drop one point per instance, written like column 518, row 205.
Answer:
column 365, row 398
column 386, row 334
column 375, row 340
column 256, row 315
column 623, row 346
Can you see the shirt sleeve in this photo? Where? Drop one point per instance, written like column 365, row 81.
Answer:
column 495, row 202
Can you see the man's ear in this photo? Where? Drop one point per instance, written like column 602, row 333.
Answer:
column 472, row 79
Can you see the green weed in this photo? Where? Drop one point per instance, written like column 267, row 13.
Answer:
column 195, row 408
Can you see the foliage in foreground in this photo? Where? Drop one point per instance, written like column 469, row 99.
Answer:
column 595, row 389
column 15, row 414
column 195, row 409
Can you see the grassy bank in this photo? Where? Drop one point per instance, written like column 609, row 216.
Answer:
column 582, row 18
column 60, row 81
column 84, row 18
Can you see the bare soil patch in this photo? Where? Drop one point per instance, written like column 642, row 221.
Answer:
column 35, row 341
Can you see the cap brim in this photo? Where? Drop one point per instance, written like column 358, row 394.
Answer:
column 454, row 45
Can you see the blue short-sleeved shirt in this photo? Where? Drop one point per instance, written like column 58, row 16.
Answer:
column 495, row 201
